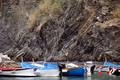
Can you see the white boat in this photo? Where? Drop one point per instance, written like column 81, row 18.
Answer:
column 48, row 69
column 18, row 72
column 45, row 69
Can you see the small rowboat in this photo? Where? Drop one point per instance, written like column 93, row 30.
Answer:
column 76, row 71
column 45, row 69
column 72, row 69
column 17, row 72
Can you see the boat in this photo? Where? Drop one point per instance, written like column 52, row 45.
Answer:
column 17, row 72
column 45, row 69
column 105, row 67
column 76, row 71
column 72, row 70
column 115, row 71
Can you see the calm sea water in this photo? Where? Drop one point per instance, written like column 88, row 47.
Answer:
column 96, row 76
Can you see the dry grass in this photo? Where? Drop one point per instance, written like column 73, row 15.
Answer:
column 43, row 11
column 116, row 11
column 50, row 6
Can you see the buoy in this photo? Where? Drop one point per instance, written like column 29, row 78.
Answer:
column 99, row 72
column 107, row 71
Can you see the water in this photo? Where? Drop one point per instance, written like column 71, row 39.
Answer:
column 96, row 76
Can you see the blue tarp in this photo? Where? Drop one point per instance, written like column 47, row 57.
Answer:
column 43, row 66
column 110, row 64
column 27, row 65
column 55, row 65
column 50, row 66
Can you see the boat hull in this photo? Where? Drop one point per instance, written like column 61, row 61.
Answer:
column 49, row 72
column 78, row 71
column 18, row 73
column 46, row 69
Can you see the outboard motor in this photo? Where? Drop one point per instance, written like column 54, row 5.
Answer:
column 61, row 66
column 90, row 68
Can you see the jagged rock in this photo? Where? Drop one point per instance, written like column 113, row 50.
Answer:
column 73, row 30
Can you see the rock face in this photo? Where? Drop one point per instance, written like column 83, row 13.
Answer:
column 81, row 30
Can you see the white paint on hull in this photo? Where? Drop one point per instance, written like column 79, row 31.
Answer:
column 25, row 72
column 48, row 72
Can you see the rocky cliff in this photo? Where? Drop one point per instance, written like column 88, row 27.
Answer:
column 59, row 30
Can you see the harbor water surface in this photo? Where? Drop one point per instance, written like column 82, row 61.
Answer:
column 96, row 76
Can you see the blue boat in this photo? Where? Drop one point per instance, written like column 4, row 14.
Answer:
column 110, row 64
column 76, row 71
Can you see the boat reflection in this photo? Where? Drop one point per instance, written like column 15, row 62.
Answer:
column 42, row 78
column 74, row 78
column 30, row 78
column 62, row 78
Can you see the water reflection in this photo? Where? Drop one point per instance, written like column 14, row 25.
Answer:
column 17, row 78
column 94, row 77
column 49, row 78
column 73, row 78
column 30, row 78
column 43, row 78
